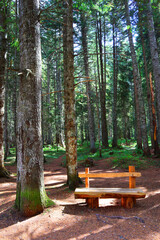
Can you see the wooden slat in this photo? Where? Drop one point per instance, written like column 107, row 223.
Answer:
column 132, row 180
column 87, row 178
column 110, row 175
column 109, row 192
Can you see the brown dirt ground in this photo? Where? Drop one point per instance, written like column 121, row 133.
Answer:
column 71, row 219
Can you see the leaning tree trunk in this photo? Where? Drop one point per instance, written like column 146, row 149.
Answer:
column 69, row 97
column 31, row 197
column 155, row 60
column 88, row 86
column 138, row 86
column 3, row 26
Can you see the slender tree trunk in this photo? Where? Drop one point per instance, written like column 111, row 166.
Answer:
column 155, row 140
column 82, row 127
column 49, row 127
column 138, row 123
column 69, row 97
column 31, row 197
column 138, row 86
column 98, row 115
column 59, row 109
column 3, row 50
column 15, row 83
column 114, row 142
column 102, row 88
column 104, row 39
column 6, row 139
column 155, row 60
column 88, row 86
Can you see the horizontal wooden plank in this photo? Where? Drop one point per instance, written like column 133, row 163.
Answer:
column 110, row 175
column 110, row 192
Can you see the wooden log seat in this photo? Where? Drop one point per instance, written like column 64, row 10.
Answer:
column 127, row 195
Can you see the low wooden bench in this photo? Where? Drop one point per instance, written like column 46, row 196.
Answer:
column 127, row 195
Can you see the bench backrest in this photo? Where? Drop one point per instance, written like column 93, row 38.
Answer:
column 131, row 174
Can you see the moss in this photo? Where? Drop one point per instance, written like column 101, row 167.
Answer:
column 48, row 202
column 73, row 181
column 32, row 201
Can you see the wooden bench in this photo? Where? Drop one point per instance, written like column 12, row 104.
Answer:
column 127, row 195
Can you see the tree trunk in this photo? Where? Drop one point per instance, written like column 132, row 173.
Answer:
column 102, row 88
column 6, row 139
column 49, row 128
column 114, row 142
column 155, row 140
column 138, row 86
column 88, row 86
column 82, row 127
column 98, row 115
column 155, row 60
column 69, row 97
column 150, row 95
column 3, row 34
column 138, row 123
column 59, row 109
column 15, row 85
column 31, row 197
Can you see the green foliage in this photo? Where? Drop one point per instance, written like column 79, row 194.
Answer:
column 121, row 157
column 11, row 158
column 51, row 152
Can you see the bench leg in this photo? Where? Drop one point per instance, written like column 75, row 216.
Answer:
column 127, row 202
column 92, row 202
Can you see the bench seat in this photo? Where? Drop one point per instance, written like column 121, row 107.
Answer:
column 109, row 192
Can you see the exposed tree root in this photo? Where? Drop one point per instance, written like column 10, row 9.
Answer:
column 4, row 173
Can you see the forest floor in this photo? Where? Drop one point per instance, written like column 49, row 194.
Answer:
column 71, row 219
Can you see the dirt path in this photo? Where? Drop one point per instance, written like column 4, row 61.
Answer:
column 71, row 219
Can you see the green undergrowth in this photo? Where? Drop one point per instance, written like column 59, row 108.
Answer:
column 121, row 157
column 51, row 152
column 11, row 159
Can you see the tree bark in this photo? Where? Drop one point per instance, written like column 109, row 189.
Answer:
column 69, row 97
column 49, row 128
column 16, row 63
column 102, row 88
column 155, row 60
column 59, row 112
column 6, row 139
column 31, row 197
column 138, row 87
column 3, row 52
column 154, row 121
column 88, row 85
column 98, row 115
column 150, row 94
column 114, row 142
